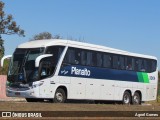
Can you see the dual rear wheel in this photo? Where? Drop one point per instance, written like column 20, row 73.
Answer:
column 128, row 99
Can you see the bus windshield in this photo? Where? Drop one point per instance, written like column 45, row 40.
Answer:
column 22, row 64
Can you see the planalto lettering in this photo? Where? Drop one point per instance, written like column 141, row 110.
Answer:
column 83, row 72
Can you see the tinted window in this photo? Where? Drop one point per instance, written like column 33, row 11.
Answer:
column 56, row 51
column 94, row 59
column 70, row 56
column 83, row 57
column 89, row 58
column 122, row 62
column 115, row 62
column 153, row 65
column 107, row 61
column 99, row 59
column 129, row 63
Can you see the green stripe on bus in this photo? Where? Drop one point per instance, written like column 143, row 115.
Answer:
column 140, row 77
column 143, row 77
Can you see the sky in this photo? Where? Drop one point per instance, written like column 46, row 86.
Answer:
column 131, row 25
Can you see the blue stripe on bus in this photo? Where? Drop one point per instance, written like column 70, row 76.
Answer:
column 98, row 73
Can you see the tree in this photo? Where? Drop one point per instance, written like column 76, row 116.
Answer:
column 159, row 76
column 8, row 27
column 45, row 35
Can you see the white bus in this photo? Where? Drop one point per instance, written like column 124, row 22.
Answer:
column 61, row 69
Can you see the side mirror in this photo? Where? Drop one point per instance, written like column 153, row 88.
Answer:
column 39, row 58
column 3, row 58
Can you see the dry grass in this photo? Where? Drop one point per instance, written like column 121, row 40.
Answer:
column 24, row 106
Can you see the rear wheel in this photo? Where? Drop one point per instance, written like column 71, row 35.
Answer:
column 60, row 96
column 126, row 98
column 136, row 99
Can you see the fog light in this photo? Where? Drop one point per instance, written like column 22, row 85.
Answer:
column 32, row 93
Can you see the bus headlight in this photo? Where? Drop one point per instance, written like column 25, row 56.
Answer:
column 37, row 85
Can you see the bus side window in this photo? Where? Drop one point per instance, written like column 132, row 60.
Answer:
column 94, row 59
column 83, row 57
column 99, row 59
column 77, row 56
column 56, row 51
column 69, row 57
column 89, row 58
column 145, row 64
column 141, row 65
column 107, row 61
column 121, row 63
column 149, row 66
column 133, row 63
column 154, row 65
column 129, row 65
column 115, row 62
column 136, row 64
column 46, row 67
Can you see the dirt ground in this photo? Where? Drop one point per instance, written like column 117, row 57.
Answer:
column 45, row 106
column 22, row 105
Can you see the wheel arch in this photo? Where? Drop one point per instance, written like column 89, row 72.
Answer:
column 64, row 88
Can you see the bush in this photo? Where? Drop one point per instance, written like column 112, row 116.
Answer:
column 4, row 70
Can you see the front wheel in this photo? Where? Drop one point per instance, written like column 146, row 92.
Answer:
column 60, row 96
column 126, row 98
column 31, row 100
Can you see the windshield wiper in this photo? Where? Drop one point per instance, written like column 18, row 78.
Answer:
column 23, row 66
column 14, row 70
column 24, row 71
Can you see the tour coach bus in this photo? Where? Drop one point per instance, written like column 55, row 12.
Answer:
column 61, row 69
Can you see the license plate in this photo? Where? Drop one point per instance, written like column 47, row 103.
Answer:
column 17, row 93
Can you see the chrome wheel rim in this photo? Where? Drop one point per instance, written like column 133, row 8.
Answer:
column 59, row 97
column 136, row 100
column 126, row 99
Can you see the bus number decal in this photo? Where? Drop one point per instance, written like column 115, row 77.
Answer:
column 152, row 78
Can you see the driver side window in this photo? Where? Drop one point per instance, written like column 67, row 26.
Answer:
column 46, row 68
column 48, row 65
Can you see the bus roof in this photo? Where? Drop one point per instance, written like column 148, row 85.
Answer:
column 54, row 42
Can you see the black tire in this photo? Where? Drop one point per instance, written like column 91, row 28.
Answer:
column 34, row 100
column 31, row 100
column 136, row 99
column 97, row 102
column 60, row 96
column 126, row 98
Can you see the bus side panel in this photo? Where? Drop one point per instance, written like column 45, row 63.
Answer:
column 151, row 92
column 93, row 90
column 77, row 88
column 117, row 93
